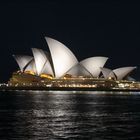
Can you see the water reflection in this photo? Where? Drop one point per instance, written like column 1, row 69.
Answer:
column 68, row 115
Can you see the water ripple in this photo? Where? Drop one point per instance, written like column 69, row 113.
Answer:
column 69, row 115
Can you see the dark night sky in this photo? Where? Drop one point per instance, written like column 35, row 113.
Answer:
column 88, row 29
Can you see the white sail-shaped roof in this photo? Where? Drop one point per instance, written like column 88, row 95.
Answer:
column 31, row 66
column 112, row 74
column 40, row 59
column 79, row 70
column 129, row 78
column 48, row 67
column 107, row 73
column 22, row 60
column 63, row 59
column 122, row 72
column 93, row 64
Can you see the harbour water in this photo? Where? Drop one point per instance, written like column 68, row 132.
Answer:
column 50, row 115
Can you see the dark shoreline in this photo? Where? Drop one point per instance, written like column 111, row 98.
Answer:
column 68, row 89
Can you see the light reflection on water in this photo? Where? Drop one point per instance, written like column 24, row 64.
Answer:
column 69, row 115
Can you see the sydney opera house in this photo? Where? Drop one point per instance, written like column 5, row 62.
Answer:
column 60, row 68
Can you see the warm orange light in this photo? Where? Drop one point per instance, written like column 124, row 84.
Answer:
column 30, row 72
column 46, row 76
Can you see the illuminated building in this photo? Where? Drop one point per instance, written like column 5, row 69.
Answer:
column 118, row 73
column 60, row 68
